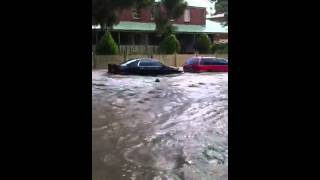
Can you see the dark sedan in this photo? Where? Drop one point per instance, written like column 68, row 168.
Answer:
column 143, row 66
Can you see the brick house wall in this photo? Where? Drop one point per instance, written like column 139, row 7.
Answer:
column 197, row 16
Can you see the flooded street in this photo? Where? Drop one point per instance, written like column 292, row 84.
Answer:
column 175, row 129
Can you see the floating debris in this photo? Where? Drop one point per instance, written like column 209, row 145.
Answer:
column 192, row 85
column 96, row 84
column 214, row 156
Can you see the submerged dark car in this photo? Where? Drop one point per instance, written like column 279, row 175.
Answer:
column 143, row 66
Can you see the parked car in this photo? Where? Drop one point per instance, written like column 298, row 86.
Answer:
column 143, row 66
column 206, row 64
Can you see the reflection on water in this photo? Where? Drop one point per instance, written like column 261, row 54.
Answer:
column 173, row 129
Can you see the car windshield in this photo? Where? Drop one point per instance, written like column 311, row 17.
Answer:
column 128, row 62
column 192, row 61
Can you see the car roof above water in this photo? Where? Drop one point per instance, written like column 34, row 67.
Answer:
column 140, row 59
column 149, row 60
column 203, row 57
column 129, row 61
column 206, row 57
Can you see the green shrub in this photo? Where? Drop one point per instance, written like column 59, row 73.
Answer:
column 214, row 48
column 170, row 45
column 220, row 48
column 107, row 45
column 203, row 44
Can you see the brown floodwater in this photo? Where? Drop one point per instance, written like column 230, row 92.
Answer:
column 175, row 129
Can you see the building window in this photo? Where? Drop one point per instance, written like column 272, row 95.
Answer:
column 135, row 13
column 187, row 15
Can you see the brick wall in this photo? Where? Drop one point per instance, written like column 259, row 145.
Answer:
column 197, row 16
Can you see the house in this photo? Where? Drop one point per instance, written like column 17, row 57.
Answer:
column 136, row 30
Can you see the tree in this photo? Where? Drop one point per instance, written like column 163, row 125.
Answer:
column 166, row 10
column 106, row 45
column 221, row 6
column 203, row 44
column 104, row 12
column 170, row 45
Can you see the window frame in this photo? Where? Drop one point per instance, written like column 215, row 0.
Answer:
column 187, row 12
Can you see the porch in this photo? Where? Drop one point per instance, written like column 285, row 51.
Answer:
column 147, row 42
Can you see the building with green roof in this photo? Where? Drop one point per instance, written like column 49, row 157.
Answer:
column 138, row 28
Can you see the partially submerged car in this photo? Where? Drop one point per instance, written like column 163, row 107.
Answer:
column 142, row 66
column 206, row 64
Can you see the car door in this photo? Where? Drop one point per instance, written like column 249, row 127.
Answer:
column 190, row 65
column 132, row 67
column 206, row 64
column 149, row 66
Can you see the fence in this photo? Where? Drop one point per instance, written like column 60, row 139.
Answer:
column 102, row 61
column 138, row 49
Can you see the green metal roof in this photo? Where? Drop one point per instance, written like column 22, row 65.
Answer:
column 134, row 26
column 211, row 27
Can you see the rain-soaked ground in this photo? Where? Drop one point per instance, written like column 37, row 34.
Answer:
column 175, row 129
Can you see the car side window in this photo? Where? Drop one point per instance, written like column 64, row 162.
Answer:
column 221, row 62
column 149, row 63
column 212, row 61
column 207, row 61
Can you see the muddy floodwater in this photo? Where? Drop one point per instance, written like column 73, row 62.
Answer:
column 175, row 129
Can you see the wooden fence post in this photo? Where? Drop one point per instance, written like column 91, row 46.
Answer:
column 175, row 59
